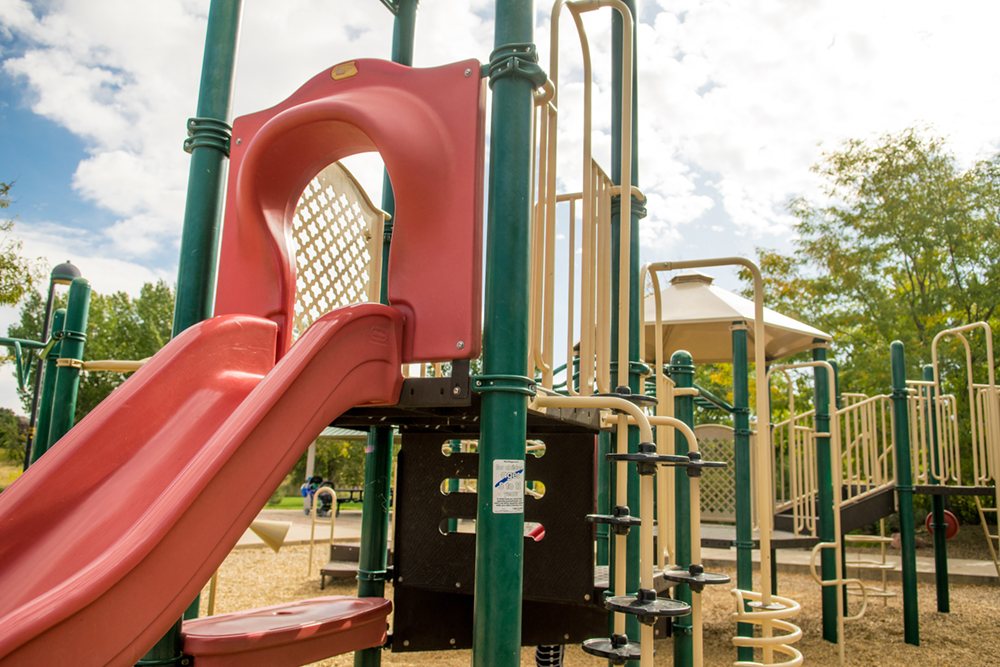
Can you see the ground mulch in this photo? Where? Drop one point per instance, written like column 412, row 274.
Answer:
column 968, row 636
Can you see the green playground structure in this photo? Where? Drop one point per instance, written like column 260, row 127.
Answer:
column 535, row 505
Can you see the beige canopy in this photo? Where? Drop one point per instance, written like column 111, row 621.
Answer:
column 697, row 317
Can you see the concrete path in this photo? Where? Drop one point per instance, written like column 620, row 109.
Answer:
column 347, row 528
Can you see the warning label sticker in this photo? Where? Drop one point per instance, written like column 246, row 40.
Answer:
column 508, row 486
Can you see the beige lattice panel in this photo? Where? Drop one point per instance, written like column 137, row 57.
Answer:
column 338, row 239
column 718, row 485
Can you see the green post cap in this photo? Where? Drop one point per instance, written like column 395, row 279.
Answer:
column 65, row 273
column 681, row 358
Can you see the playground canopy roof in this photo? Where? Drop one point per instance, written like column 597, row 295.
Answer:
column 697, row 317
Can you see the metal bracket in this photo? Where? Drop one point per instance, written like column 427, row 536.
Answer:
column 638, row 206
column 181, row 659
column 634, row 368
column 516, row 384
column 208, row 132
column 375, row 575
column 520, row 60
column 67, row 362
column 439, row 392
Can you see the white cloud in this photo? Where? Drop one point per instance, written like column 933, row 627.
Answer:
column 748, row 91
column 56, row 243
column 736, row 100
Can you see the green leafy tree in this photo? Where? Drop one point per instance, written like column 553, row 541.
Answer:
column 905, row 244
column 119, row 327
column 18, row 276
column 340, row 461
column 13, row 436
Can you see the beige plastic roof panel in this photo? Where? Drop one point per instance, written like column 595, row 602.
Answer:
column 698, row 316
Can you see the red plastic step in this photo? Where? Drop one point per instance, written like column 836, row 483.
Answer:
column 287, row 635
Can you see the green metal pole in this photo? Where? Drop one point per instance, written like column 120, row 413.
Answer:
column 64, row 274
column 208, row 139
column 904, row 493
column 634, row 377
column 741, row 461
column 604, row 500
column 682, row 372
column 937, row 503
column 208, row 142
column 165, row 651
column 514, row 76
column 68, row 377
column 455, row 446
column 824, row 478
column 373, row 556
column 843, row 552
column 403, row 34
column 41, row 444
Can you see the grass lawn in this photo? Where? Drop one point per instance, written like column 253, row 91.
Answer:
column 295, row 502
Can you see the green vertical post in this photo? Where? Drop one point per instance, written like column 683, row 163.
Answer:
column 373, row 556
column 208, row 142
column 455, row 446
column 937, row 502
column 838, row 404
column 64, row 274
column 682, row 372
column 41, row 444
column 603, row 498
column 403, row 33
column 634, row 377
column 514, row 76
column 824, row 499
column 774, row 551
column 165, row 652
column 904, row 493
column 74, row 336
column 741, row 462
column 209, row 134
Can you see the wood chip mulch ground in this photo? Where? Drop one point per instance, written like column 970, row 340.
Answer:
column 968, row 636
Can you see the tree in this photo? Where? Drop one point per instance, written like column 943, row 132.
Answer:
column 906, row 244
column 13, row 436
column 340, row 461
column 18, row 276
column 119, row 327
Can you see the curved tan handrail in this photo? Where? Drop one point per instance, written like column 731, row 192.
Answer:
column 763, row 457
column 312, row 527
column 986, row 440
column 837, row 468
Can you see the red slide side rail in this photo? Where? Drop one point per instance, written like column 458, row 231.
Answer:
column 107, row 539
column 428, row 126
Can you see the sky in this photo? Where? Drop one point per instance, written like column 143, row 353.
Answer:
column 736, row 101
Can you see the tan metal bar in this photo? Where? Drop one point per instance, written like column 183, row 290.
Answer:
column 111, row 365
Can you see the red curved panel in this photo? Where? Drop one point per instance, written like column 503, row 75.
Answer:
column 107, row 539
column 428, row 126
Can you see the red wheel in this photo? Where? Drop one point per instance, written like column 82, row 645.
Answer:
column 951, row 524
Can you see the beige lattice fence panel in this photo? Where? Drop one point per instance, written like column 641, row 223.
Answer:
column 718, row 485
column 338, row 237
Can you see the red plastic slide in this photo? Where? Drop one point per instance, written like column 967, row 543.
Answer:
column 107, row 539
